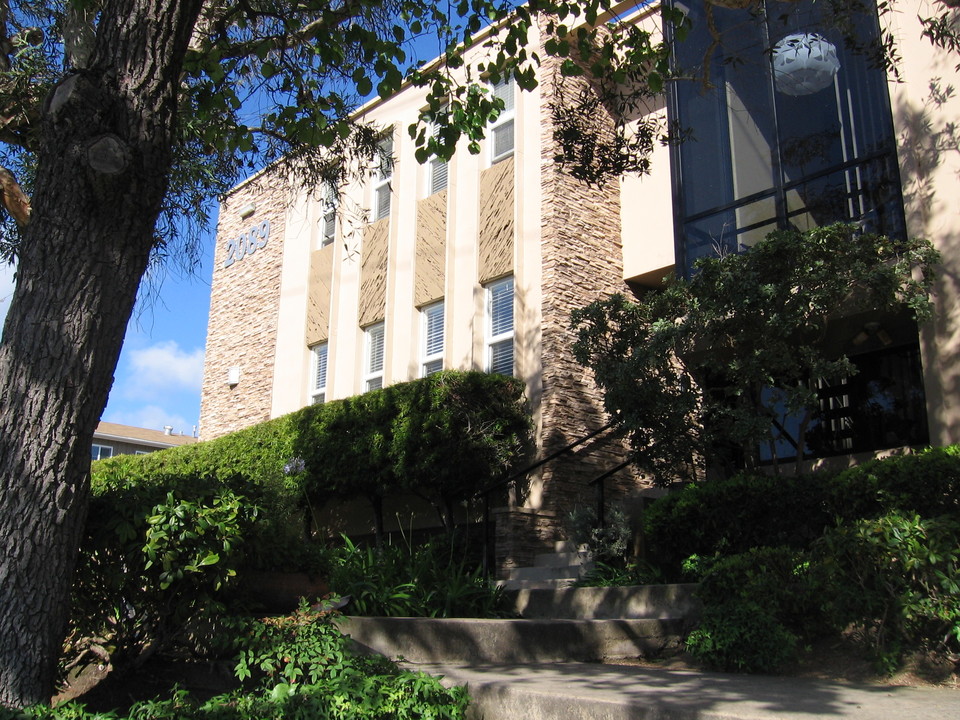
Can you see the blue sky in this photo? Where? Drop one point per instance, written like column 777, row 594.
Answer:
column 157, row 380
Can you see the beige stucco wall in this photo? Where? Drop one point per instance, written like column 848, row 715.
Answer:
column 930, row 173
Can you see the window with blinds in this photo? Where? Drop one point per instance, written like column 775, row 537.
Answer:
column 502, row 130
column 318, row 386
column 500, row 326
column 382, row 177
column 431, row 360
column 373, row 357
column 328, row 222
column 439, row 171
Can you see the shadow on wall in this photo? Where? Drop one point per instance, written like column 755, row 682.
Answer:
column 929, row 142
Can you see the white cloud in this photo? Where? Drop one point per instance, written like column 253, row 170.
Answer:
column 164, row 366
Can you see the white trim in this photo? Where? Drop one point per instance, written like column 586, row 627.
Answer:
column 499, row 324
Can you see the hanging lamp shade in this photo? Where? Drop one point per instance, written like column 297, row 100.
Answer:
column 804, row 63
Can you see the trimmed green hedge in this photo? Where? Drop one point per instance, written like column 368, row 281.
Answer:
column 876, row 546
column 167, row 530
column 731, row 516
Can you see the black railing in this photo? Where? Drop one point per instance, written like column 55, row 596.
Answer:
column 598, row 482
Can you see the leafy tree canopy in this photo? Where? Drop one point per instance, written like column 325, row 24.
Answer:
column 720, row 361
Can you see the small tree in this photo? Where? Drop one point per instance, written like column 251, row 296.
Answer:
column 717, row 363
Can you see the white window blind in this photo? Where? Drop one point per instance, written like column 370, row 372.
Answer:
column 432, row 346
column 500, row 326
column 373, row 374
column 318, row 390
column 383, row 176
column 439, row 171
column 328, row 223
column 502, row 130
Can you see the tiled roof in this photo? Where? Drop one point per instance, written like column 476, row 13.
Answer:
column 144, row 436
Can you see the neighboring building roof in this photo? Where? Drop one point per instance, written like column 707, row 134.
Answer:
column 141, row 436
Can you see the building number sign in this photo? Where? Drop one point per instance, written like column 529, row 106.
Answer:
column 247, row 243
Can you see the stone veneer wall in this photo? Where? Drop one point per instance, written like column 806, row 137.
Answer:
column 582, row 261
column 244, row 302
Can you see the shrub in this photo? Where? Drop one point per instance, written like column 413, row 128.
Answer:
column 926, row 483
column 731, row 516
column 898, row 575
column 741, row 636
column 789, row 582
column 442, row 438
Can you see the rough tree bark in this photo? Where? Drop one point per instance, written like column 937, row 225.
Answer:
column 104, row 157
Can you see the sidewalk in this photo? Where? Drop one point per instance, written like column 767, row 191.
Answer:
column 575, row 691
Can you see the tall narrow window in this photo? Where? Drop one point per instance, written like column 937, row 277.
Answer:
column 318, row 388
column 382, row 177
column 500, row 326
column 789, row 125
column 373, row 357
column 328, row 222
column 431, row 360
column 439, row 171
column 501, row 131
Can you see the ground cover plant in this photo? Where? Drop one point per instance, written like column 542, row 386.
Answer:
column 874, row 550
column 435, row 579
column 296, row 666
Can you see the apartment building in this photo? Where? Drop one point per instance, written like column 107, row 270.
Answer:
column 477, row 263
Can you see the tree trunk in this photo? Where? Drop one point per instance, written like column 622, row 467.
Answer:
column 104, row 159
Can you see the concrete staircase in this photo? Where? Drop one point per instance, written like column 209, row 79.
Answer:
column 560, row 568
column 556, row 627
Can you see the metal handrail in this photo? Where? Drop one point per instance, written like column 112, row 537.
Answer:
column 486, row 492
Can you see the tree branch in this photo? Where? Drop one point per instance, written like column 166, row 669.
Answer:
column 13, row 198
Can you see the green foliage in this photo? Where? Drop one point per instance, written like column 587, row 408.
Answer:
column 620, row 573
column 299, row 666
column 731, row 516
column 610, row 542
column 825, row 553
column 431, row 580
column 442, row 437
column 790, row 583
column 167, row 530
column 741, row 636
column 898, row 575
column 147, row 567
column 926, row 483
column 720, row 361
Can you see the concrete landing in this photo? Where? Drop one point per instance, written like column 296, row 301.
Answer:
column 575, row 691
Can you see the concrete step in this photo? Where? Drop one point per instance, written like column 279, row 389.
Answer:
column 638, row 601
column 550, row 584
column 575, row 691
column 471, row 640
column 545, row 573
column 561, row 559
